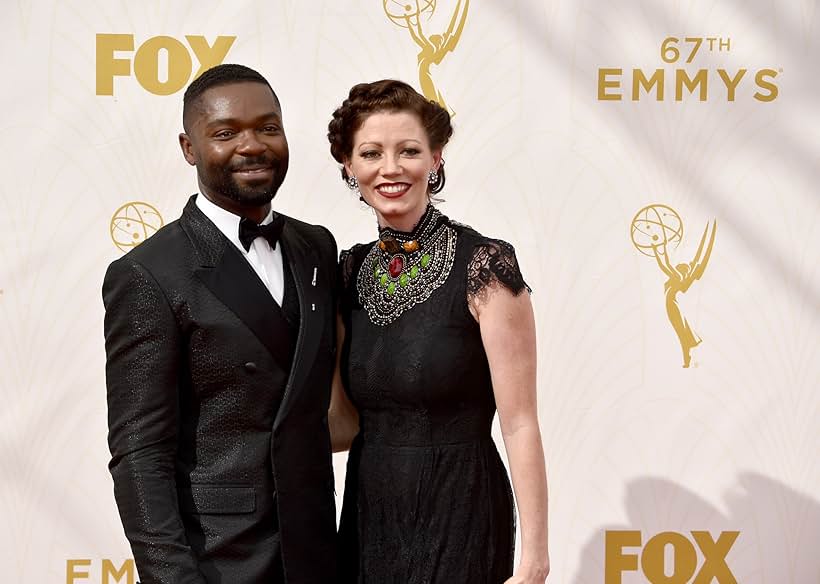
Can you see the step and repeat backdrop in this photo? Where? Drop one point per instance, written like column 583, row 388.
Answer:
column 656, row 164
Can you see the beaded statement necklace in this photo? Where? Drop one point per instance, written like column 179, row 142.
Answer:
column 404, row 269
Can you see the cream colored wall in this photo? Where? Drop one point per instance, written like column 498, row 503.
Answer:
column 633, row 440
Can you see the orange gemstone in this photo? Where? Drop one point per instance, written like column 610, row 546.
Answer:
column 410, row 246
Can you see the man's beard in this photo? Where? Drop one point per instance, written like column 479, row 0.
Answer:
column 224, row 182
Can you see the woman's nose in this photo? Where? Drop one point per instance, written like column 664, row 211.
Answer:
column 391, row 165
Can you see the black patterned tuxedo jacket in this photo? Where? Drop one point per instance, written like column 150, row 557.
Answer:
column 220, row 449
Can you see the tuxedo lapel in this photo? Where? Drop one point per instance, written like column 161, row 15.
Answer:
column 233, row 281
column 304, row 264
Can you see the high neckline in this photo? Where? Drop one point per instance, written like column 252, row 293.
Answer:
column 428, row 221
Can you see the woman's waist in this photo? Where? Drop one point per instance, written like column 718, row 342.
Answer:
column 422, row 429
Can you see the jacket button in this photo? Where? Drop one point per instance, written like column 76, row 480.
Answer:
column 250, row 367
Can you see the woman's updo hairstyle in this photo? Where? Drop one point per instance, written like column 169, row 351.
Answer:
column 387, row 95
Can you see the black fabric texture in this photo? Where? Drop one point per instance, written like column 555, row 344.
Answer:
column 219, row 443
column 427, row 498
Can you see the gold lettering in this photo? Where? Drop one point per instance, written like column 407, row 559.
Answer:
column 682, row 78
column 685, row 559
column 71, row 573
column 146, row 65
column 763, row 84
column 696, row 42
column 639, row 80
column 714, row 557
column 731, row 82
column 669, row 50
column 107, row 65
column 604, row 84
column 209, row 56
column 616, row 562
column 127, row 569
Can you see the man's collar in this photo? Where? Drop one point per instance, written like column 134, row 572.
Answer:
column 225, row 221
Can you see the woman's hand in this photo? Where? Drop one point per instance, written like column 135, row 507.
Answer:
column 530, row 574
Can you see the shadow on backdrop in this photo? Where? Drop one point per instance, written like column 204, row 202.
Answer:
column 779, row 529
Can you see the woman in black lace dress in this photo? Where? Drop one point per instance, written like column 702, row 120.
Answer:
column 436, row 335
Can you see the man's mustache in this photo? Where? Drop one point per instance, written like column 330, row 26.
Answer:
column 255, row 162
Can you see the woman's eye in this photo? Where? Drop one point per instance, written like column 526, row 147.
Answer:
column 411, row 151
column 369, row 154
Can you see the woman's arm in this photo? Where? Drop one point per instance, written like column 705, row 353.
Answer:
column 343, row 419
column 508, row 333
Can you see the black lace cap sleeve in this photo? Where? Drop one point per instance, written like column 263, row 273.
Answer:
column 349, row 262
column 493, row 262
column 345, row 270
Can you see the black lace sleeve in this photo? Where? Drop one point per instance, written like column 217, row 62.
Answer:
column 493, row 263
column 345, row 271
column 346, row 279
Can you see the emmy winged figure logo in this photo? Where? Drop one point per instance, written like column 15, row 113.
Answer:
column 655, row 229
column 433, row 48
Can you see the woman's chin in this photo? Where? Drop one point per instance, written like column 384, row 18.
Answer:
column 399, row 215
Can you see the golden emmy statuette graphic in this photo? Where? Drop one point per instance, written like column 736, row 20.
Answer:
column 133, row 223
column 655, row 229
column 433, row 47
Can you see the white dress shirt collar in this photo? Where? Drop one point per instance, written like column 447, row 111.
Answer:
column 225, row 221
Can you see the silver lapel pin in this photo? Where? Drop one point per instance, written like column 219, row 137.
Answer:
column 315, row 270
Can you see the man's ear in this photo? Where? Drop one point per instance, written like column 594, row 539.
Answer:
column 187, row 149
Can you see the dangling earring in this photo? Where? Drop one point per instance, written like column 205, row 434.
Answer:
column 353, row 185
column 432, row 177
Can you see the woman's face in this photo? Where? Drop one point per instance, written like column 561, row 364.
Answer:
column 391, row 159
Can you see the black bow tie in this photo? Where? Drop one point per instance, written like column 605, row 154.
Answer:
column 248, row 231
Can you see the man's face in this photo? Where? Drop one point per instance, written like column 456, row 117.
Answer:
column 236, row 141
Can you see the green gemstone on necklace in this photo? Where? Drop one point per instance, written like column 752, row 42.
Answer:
column 391, row 288
column 414, row 271
column 404, row 279
column 425, row 259
column 377, row 272
column 383, row 280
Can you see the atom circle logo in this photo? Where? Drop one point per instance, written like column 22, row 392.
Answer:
column 656, row 225
column 133, row 223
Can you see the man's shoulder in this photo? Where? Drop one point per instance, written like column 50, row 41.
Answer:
column 168, row 245
column 313, row 233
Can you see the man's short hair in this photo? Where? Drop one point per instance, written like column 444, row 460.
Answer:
column 225, row 74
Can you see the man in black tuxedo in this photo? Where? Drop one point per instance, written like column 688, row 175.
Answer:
column 220, row 342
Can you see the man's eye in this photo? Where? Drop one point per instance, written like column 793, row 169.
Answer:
column 272, row 129
column 223, row 134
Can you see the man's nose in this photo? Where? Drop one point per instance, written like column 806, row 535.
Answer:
column 250, row 144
